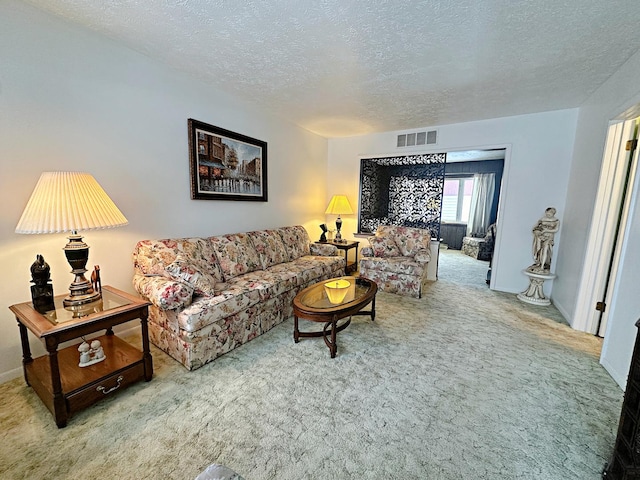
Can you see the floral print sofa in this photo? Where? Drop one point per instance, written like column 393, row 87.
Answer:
column 397, row 259
column 210, row 295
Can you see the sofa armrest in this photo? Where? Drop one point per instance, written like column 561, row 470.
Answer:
column 367, row 252
column 423, row 256
column 323, row 249
column 163, row 292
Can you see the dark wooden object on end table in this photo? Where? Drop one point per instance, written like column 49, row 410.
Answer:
column 62, row 385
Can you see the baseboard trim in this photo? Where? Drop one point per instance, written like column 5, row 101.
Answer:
column 10, row 375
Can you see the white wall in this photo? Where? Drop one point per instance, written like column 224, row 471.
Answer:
column 536, row 174
column 620, row 93
column 71, row 100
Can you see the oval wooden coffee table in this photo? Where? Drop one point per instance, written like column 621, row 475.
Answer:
column 313, row 304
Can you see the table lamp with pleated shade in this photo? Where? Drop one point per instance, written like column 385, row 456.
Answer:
column 71, row 202
column 339, row 205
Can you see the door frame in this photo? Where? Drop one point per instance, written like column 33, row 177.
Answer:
column 604, row 225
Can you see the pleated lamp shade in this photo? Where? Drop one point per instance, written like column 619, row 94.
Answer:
column 71, row 202
column 68, row 202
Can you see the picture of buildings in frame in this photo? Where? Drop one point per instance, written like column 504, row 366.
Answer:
column 225, row 165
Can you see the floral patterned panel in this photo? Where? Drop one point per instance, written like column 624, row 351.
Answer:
column 268, row 244
column 393, row 265
column 296, row 241
column 236, row 254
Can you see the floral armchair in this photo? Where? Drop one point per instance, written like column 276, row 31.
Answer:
column 397, row 259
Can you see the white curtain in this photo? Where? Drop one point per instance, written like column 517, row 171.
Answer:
column 481, row 200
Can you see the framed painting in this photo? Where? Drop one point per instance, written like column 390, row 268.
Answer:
column 225, row 165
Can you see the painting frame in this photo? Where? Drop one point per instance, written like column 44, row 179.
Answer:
column 226, row 165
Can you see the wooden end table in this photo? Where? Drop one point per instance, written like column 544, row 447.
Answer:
column 62, row 385
column 345, row 246
column 312, row 304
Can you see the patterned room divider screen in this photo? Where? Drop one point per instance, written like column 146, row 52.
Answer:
column 404, row 190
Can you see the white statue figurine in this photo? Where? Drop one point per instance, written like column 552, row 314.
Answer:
column 543, row 233
column 91, row 354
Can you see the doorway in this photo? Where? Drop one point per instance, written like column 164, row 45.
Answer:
column 606, row 237
column 473, row 180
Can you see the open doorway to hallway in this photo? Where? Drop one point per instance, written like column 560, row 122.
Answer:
column 470, row 202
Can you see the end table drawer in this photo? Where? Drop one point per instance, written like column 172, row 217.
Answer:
column 104, row 387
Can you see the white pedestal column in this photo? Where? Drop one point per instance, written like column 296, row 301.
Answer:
column 535, row 293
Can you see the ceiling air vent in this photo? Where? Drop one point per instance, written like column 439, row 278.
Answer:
column 418, row 138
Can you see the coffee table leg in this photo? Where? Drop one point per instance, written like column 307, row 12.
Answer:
column 373, row 309
column 334, row 345
column 296, row 332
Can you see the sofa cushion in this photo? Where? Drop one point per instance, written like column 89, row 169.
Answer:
column 384, row 247
column 184, row 270
column 236, row 254
column 208, row 310
column 295, row 240
column 269, row 246
column 402, row 265
column 268, row 283
column 302, row 271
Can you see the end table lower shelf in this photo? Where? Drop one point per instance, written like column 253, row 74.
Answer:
column 61, row 383
column 83, row 386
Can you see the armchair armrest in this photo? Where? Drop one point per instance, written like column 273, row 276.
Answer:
column 163, row 292
column 423, row 256
column 323, row 249
column 367, row 252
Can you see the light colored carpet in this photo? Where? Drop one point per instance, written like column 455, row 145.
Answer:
column 464, row 383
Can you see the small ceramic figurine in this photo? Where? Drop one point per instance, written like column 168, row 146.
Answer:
column 95, row 279
column 85, row 357
column 90, row 354
column 97, row 350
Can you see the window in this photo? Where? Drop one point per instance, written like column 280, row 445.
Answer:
column 456, row 201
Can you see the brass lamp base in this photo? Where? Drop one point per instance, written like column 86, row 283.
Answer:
column 81, row 290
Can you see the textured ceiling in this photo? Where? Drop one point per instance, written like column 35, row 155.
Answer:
column 349, row 67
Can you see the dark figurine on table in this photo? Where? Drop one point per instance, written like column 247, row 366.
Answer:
column 323, row 237
column 41, row 290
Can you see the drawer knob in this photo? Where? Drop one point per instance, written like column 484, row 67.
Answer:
column 106, row 391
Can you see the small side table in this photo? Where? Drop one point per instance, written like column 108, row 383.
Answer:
column 62, row 385
column 346, row 246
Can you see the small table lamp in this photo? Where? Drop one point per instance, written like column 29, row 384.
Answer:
column 339, row 205
column 69, row 202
